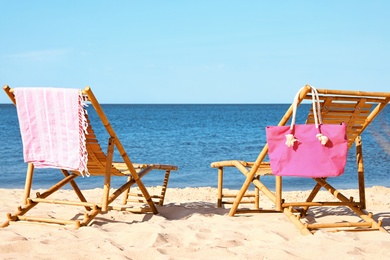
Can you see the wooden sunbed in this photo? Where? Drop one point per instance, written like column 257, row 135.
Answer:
column 357, row 109
column 99, row 164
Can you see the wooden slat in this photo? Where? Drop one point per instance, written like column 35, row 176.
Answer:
column 354, row 113
column 332, row 92
column 340, row 225
column 358, row 121
column 63, row 202
column 50, row 220
column 318, row 203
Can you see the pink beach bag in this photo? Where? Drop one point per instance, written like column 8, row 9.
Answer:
column 311, row 150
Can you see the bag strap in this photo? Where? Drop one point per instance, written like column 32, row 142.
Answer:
column 290, row 139
column 315, row 104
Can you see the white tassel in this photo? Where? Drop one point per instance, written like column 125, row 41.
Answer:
column 322, row 138
column 290, row 139
column 83, row 125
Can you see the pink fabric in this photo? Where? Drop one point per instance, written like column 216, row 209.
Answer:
column 311, row 150
column 307, row 157
column 52, row 125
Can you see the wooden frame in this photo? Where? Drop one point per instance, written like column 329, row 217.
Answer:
column 99, row 164
column 357, row 109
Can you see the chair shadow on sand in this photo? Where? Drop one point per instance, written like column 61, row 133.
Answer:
column 170, row 211
column 173, row 211
column 183, row 211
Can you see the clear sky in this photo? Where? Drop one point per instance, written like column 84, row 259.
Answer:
column 195, row 51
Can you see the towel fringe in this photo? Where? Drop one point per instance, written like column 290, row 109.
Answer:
column 83, row 131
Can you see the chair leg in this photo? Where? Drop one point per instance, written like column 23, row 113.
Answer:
column 295, row 220
column 164, row 188
column 278, row 193
column 360, row 168
column 125, row 187
column 31, row 203
column 161, row 197
column 27, row 186
column 249, row 178
column 220, row 187
column 127, row 192
column 145, row 194
column 363, row 215
column 367, row 220
column 76, row 189
column 257, row 194
column 107, row 177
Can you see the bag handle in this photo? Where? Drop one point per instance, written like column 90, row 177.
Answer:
column 290, row 139
column 315, row 104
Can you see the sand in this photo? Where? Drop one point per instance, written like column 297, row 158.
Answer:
column 190, row 226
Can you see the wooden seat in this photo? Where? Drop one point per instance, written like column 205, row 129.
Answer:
column 357, row 109
column 99, row 164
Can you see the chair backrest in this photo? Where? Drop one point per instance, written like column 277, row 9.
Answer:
column 93, row 145
column 96, row 157
column 357, row 109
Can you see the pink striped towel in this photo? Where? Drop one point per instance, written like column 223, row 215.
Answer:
column 53, row 127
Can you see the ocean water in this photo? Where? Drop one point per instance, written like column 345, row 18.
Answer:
column 191, row 137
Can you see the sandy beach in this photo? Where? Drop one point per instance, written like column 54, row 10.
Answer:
column 190, row 226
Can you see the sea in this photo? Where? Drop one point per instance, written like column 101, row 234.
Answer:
column 192, row 136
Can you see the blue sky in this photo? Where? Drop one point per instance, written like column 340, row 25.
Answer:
column 195, row 51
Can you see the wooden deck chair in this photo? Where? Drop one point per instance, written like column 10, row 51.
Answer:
column 357, row 109
column 99, row 164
